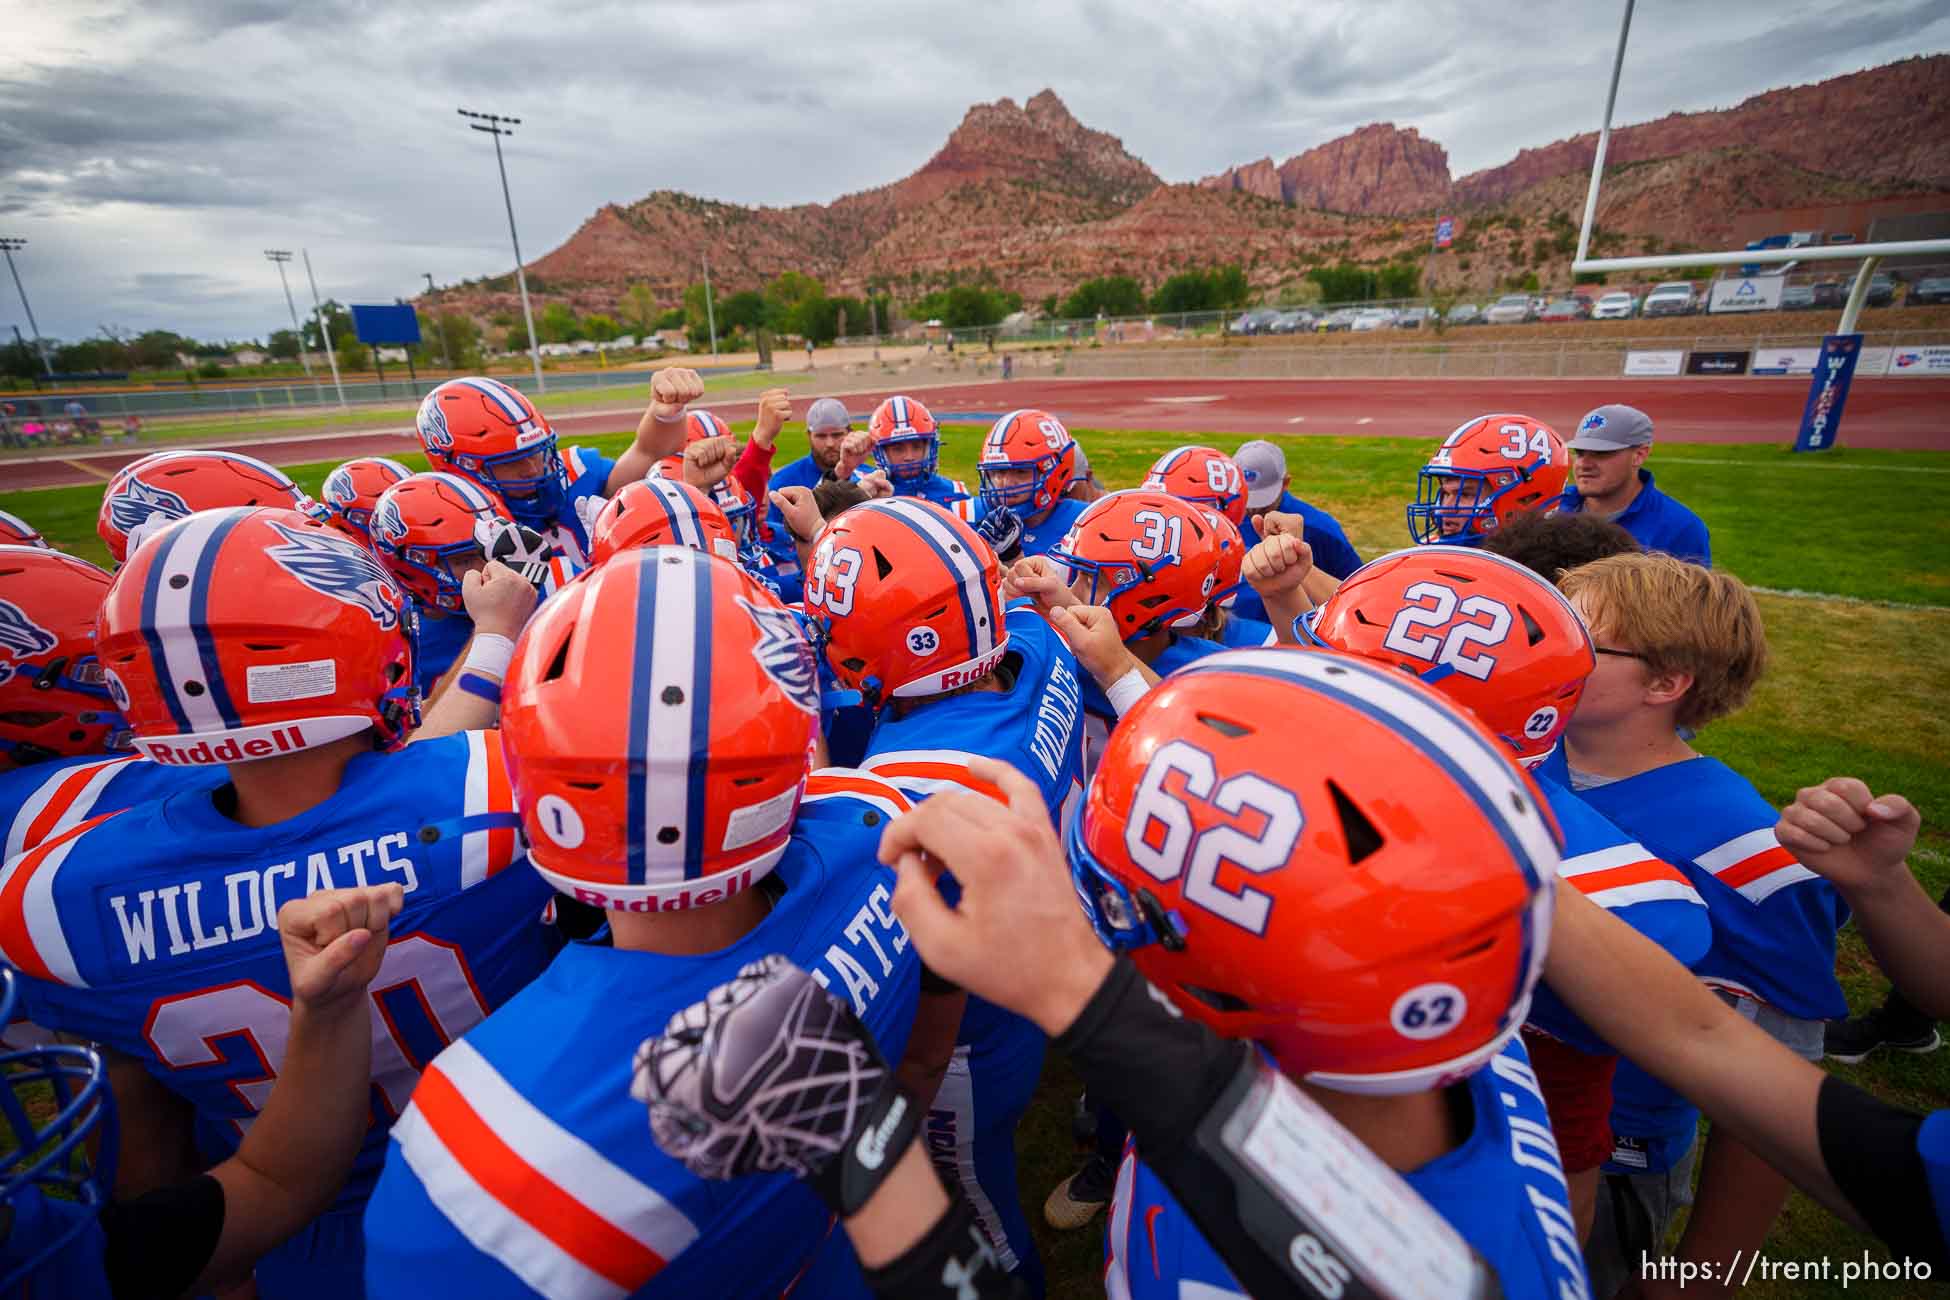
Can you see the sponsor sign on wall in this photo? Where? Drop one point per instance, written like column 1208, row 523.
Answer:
column 1919, row 361
column 1747, row 293
column 1661, row 362
column 1717, row 363
column 1873, row 361
column 1785, row 361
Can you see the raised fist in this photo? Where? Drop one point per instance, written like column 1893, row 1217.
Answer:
column 671, row 390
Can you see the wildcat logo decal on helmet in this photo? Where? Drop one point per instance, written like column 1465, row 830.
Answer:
column 337, row 569
column 433, row 426
column 20, row 637
column 785, row 654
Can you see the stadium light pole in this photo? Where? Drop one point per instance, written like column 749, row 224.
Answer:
column 8, row 245
column 324, row 330
column 446, row 349
column 497, row 126
column 279, row 256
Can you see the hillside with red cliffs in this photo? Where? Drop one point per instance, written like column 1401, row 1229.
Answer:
column 1029, row 195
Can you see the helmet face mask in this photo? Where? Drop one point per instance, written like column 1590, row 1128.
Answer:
column 490, row 433
column 536, row 497
column 430, row 530
column 1456, row 505
column 1151, row 559
column 901, row 421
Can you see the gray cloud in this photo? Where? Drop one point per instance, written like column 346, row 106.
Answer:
column 149, row 151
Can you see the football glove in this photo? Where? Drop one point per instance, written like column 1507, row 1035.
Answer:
column 1002, row 528
column 770, row 1073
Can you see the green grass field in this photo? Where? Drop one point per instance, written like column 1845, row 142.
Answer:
column 1854, row 549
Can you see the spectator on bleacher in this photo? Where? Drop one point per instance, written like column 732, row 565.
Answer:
column 1263, row 466
column 1609, row 480
column 8, row 438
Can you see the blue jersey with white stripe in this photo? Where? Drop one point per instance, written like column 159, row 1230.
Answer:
column 1502, row 1188
column 587, row 474
column 523, row 1167
column 154, row 930
column 1774, row 921
column 1044, row 536
column 40, row 802
column 1625, row 878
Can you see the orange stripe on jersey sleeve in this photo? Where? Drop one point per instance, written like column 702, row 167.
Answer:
column 500, row 798
column 854, row 783
column 931, row 770
column 530, row 1195
column 1748, row 870
column 63, row 799
column 1632, row 873
column 16, row 938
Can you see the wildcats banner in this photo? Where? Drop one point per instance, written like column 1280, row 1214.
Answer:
column 1445, row 232
column 1821, row 419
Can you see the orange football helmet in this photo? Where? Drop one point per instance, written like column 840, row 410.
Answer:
column 898, row 420
column 1373, row 910
column 1485, row 631
column 168, row 485
column 54, row 700
column 659, row 511
column 351, row 491
column 1490, row 468
column 698, row 425
column 244, row 633
column 488, row 431
column 904, row 600
column 430, row 529
column 655, row 719
column 15, row 531
column 1030, row 440
column 1232, row 558
column 1151, row 558
column 1204, row 476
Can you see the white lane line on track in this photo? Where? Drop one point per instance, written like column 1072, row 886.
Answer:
column 1298, row 419
column 1809, row 464
column 1792, row 593
column 1366, row 419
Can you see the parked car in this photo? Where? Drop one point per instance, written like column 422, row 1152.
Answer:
column 1413, row 318
column 1291, row 322
column 1830, row 293
column 1932, row 290
column 1882, row 290
column 1563, row 309
column 1465, row 313
column 1797, row 297
column 1617, row 305
column 1674, row 298
column 1372, row 318
column 1510, row 309
column 1335, row 321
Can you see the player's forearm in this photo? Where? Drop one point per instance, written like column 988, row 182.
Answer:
column 302, row 1144
column 1282, row 608
column 656, row 438
column 1319, row 585
column 931, row 1043
column 1908, row 934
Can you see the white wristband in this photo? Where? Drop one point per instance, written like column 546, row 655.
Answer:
column 670, row 419
column 489, row 653
column 1126, row 691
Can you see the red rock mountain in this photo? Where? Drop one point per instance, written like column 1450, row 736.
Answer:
column 1033, row 197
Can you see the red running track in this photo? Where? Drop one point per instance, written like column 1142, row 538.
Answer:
column 1902, row 414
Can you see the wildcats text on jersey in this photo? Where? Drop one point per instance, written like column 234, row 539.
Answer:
column 1057, row 710
column 845, row 961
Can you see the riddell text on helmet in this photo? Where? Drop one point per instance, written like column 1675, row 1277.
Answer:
column 283, row 740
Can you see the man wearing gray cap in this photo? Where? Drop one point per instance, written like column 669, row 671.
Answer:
column 826, row 426
column 1262, row 464
column 1609, row 480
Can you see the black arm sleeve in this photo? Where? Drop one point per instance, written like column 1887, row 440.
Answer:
column 161, row 1241
column 952, row 1262
column 1178, row 1086
column 1869, row 1147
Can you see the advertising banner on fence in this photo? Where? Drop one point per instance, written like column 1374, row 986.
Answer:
column 1821, row 419
column 1717, row 363
column 1920, row 361
column 1661, row 362
column 1748, row 293
column 1785, row 361
column 1874, row 361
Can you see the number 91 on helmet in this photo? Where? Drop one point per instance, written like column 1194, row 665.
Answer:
column 1374, row 910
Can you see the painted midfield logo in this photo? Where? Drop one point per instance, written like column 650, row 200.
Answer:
column 785, row 655
column 338, row 569
column 20, row 638
column 137, row 503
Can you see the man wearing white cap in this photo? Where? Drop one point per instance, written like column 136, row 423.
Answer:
column 1609, row 480
column 1262, row 464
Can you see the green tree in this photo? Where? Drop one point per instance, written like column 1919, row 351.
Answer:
column 745, row 309
column 283, row 345
column 1343, row 282
column 638, row 308
column 1398, row 280
column 18, row 360
column 558, row 324
column 966, row 306
column 671, row 320
column 337, row 318
column 354, row 355
column 600, row 328
column 1109, row 295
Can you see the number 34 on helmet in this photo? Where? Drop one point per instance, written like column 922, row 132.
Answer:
column 1490, row 468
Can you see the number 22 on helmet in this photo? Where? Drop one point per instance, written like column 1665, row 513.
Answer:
column 1148, row 557
column 1373, row 910
column 1485, row 631
column 1490, row 468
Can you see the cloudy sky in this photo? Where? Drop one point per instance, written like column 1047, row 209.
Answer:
column 150, row 152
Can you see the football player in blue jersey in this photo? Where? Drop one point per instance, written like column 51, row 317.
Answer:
column 904, row 600
column 906, row 446
column 1500, row 641
column 490, row 432
column 657, row 719
column 1027, row 464
column 63, row 1230
column 266, row 644
column 1680, row 646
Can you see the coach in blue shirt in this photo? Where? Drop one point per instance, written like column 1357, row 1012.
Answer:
column 1262, row 465
column 1609, row 480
